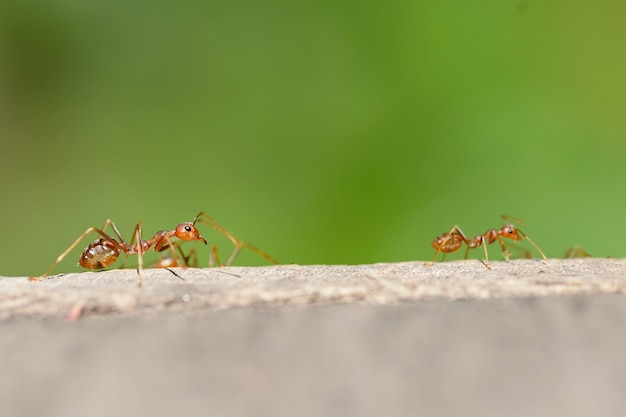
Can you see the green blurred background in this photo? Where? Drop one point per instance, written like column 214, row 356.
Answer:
column 321, row 131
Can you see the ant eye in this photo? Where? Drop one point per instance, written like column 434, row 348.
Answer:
column 188, row 228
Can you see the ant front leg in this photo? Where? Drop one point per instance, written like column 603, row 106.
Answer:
column 214, row 257
column 174, row 247
column 505, row 252
column 177, row 259
column 204, row 218
column 191, row 259
column 534, row 244
column 242, row 244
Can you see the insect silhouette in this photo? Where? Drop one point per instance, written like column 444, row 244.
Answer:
column 105, row 250
column 455, row 238
column 576, row 252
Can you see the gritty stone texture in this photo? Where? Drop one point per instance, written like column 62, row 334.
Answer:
column 453, row 339
column 115, row 292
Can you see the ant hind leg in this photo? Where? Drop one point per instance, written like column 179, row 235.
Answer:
column 72, row 246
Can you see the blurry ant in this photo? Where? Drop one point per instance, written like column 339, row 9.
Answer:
column 576, row 252
column 105, row 250
column 454, row 239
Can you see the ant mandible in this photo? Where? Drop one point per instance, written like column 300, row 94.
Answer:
column 454, row 239
column 105, row 250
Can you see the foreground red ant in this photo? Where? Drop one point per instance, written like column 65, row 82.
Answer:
column 454, row 239
column 105, row 250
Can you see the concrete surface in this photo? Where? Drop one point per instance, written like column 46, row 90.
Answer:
column 115, row 293
column 526, row 338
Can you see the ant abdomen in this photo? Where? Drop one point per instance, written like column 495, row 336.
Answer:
column 99, row 254
column 447, row 242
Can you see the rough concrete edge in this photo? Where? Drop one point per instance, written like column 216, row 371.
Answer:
column 114, row 293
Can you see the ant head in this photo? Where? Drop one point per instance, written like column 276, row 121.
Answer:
column 510, row 232
column 187, row 231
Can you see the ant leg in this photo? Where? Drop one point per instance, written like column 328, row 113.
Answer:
column 112, row 225
column 525, row 252
column 486, row 255
column 533, row 243
column 235, row 253
column 505, row 252
column 253, row 248
column 239, row 244
column 173, row 247
column 72, row 246
column 178, row 259
column 214, row 258
column 520, row 221
column 137, row 240
column 189, row 260
column 477, row 242
column 432, row 261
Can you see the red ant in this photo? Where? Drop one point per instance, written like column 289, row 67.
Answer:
column 454, row 239
column 105, row 250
